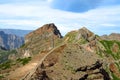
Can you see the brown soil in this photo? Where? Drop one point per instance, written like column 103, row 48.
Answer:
column 22, row 71
column 114, row 69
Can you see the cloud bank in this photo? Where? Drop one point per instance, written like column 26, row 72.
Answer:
column 33, row 14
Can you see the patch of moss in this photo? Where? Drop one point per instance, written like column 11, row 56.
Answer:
column 71, row 36
column 99, row 53
column 115, row 77
column 108, row 44
column 6, row 65
column 1, row 76
column 118, row 65
column 81, row 41
column 4, row 55
column 24, row 61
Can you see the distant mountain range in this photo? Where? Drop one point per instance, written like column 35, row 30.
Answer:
column 17, row 32
column 112, row 36
column 10, row 41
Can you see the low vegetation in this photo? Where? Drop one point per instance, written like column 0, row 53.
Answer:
column 5, row 54
column 9, row 63
column 71, row 36
column 24, row 61
column 6, row 65
column 108, row 45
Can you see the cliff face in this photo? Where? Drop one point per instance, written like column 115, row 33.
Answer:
column 10, row 41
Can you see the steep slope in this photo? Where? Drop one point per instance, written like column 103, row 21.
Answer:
column 10, row 41
column 16, row 32
column 43, row 39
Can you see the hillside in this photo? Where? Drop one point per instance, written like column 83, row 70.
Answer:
column 80, row 55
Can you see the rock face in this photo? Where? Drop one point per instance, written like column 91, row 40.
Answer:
column 112, row 36
column 10, row 41
column 42, row 39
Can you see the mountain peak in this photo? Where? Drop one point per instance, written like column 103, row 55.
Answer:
column 50, row 29
column 49, row 26
column 84, row 28
column 44, row 38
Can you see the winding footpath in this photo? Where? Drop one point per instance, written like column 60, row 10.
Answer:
column 21, row 71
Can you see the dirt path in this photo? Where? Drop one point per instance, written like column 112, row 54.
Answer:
column 25, row 72
column 29, row 75
column 22, row 71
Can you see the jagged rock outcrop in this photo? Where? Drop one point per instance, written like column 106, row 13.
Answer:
column 10, row 41
column 86, row 34
column 42, row 39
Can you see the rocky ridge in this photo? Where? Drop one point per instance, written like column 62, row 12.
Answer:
column 80, row 55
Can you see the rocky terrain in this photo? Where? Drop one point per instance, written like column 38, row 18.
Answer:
column 10, row 41
column 79, row 55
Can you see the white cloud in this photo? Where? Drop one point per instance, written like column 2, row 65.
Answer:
column 49, row 0
column 108, row 25
column 95, row 20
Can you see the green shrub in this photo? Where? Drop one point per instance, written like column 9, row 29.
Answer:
column 1, row 76
column 24, row 61
column 115, row 77
column 108, row 44
column 71, row 36
column 6, row 65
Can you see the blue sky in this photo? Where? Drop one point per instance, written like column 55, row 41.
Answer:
column 100, row 16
